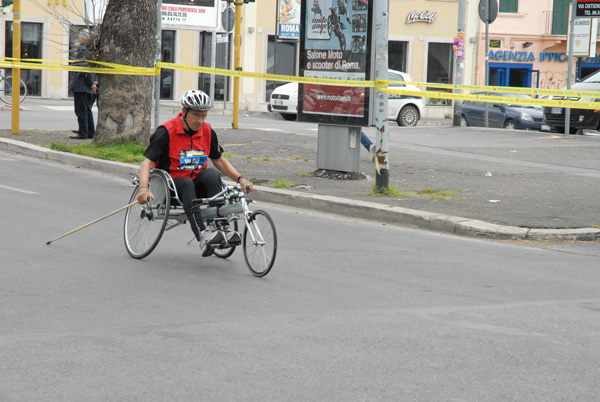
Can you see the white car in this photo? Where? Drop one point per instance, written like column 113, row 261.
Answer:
column 406, row 110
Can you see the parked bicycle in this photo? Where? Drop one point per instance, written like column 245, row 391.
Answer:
column 6, row 89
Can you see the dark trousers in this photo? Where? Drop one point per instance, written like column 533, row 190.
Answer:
column 206, row 184
column 83, row 111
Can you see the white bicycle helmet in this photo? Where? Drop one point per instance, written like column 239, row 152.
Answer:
column 196, row 100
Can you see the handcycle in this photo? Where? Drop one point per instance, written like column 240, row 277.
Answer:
column 145, row 224
column 6, row 89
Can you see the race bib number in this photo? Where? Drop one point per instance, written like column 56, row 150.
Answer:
column 191, row 159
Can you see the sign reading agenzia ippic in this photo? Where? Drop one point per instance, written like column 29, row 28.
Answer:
column 588, row 8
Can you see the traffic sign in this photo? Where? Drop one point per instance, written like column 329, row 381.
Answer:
column 228, row 19
column 490, row 6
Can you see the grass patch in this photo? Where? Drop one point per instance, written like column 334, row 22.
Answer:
column 282, row 183
column 391, row 191
column 267, row 159
column 120, row 152
column 440, row 195
column 249, row 158
column 307, row 173
column 228, row 155
column 426, row 193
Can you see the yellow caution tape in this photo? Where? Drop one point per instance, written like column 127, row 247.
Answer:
column 377, row 156
column 113, row 68
column 571, row 93
column 271, row 77
column 496, row 99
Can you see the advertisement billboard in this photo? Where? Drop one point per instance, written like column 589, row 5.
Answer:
column 176, row 14
column 288, row 19
column 588, row 8
column 334, row 44
column 190, row 14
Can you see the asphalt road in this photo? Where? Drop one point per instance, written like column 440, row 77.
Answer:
column 353, row 310
column 514, row 178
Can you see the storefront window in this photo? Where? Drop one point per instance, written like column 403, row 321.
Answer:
column 560, row 17
column 509, row 6
column 167, row 75
column 223, row 60
column 439, row 69
column 31, row 48
column 281, row 59
column 397, row 55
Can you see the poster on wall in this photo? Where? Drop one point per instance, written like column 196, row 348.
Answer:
column 176, row 14
column 585, row 32
column 190, row 14
column 588, row 8
column 334, row 44
column 288, row 19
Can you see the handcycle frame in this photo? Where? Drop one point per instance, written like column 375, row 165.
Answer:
column 145, row 224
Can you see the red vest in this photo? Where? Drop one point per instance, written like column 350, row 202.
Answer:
column 187, row 154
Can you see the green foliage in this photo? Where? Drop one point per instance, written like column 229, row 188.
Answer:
column 282, row 183
column 426, row 193
column 120, row 152
column 391, row 191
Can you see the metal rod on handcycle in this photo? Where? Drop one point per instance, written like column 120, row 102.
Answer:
column 92, row 222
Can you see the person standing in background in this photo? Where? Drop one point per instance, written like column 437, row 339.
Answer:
column 83, row 85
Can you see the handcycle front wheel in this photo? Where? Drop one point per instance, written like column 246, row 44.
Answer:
column 145, row 224
column 260, row 243
column 226, row 252
column 6, row 90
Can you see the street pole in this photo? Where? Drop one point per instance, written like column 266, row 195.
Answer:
column 380, row 20
column 213, row 62
column 16, row 72
column 461, row 29
column 157, row 60
column 487, row 65
column 237, row 63
column 570, row 67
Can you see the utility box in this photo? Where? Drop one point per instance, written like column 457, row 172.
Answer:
column 338, row 148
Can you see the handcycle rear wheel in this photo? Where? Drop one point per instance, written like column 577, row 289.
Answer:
column 145, row 224
column 226, row 252
column 260, row 243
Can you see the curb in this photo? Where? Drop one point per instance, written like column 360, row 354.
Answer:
column 335, row 205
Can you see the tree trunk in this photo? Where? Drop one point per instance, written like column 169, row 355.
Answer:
column 127, row 36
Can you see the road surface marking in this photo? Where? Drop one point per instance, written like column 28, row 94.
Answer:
column 18, row 190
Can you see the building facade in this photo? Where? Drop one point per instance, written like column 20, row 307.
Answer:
column 528, row 46
column 421, row 40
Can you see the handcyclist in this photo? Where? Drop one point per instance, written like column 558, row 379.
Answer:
column 181, row 147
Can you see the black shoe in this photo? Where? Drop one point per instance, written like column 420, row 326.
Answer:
column 78, row 137
column 75, row 131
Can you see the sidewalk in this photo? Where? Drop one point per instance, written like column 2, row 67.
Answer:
column 550, row 193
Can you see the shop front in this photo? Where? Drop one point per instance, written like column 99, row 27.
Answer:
column 536, row 68
column 421, row 39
